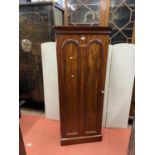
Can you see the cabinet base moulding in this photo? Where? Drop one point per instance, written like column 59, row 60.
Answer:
column 78, row 140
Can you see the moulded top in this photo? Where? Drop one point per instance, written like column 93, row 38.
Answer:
column 82, row 30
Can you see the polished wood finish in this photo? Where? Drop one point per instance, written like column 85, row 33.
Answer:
column 133, row 35
column 104, row 12
column 82, row 30
column 131, row 146
column 132, row 107
column 82, row 57
column 66, row 14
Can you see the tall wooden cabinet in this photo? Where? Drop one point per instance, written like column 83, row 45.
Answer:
column 82, row 57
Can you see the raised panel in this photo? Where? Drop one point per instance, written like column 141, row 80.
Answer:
column 71, row 86
column 93, row 77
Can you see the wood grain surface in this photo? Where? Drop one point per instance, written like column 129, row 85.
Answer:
column 82, row 57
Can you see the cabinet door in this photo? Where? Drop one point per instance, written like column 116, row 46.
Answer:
column 70, row 54
column 94, row 85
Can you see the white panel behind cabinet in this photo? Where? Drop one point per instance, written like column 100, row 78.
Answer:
column 105, row 106
column 50, row 79
column 120, row 87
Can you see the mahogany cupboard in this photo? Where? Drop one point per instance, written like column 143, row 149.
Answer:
column 82, row 57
